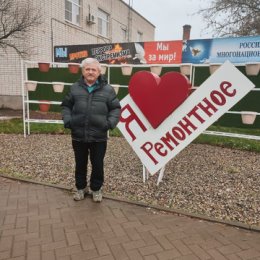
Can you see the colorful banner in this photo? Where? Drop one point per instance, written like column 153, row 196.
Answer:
column 236, row 50
column 165, row 52
column 119, row 53
column 219, row 50
column 196, row 51
column 113, row 53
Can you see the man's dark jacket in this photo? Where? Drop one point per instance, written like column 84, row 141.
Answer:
column 90, row 115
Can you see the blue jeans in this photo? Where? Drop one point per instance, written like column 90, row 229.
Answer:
column 96, row 151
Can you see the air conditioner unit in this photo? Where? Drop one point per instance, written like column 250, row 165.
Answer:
column 90, row 19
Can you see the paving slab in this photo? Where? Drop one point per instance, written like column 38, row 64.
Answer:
column 43, row 222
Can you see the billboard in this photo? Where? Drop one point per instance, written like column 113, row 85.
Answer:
column 201, row 51
column 120, row 53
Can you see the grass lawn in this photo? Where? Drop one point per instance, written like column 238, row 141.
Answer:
column 15, row 126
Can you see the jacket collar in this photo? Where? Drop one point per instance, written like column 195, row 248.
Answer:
column 101, row 81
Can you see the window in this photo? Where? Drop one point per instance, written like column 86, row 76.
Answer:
column 124, row 34
column 139, row 36
column 103, row 22
column 72, row 11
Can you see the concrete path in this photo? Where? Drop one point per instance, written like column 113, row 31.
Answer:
column 41, row 222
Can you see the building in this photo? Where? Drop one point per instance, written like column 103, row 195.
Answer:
column 70, row 22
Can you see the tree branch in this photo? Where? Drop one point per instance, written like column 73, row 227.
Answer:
column 16, row 20
column 231, row 18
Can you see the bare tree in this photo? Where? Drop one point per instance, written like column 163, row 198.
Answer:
column 17, row 18
column 233, row 17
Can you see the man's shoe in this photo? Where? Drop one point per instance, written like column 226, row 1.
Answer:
column 97, row 195
column 80, row 194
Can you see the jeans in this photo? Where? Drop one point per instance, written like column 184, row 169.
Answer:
column 96, row 151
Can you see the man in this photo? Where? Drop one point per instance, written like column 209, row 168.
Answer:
column 90, row 109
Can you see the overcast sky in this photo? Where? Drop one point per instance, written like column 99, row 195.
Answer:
column 169, row 16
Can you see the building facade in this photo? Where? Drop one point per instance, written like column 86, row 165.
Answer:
column 70, row 22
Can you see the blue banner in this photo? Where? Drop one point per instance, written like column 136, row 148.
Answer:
column 236, row 50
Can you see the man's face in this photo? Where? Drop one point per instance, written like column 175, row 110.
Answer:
column 90, row 73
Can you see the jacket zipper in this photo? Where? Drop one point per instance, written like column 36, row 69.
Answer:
column 88, row 112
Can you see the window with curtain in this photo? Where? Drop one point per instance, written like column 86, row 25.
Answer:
column 103, row 23
column 72, row 11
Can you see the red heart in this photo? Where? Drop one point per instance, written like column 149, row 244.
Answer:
column 158, row 97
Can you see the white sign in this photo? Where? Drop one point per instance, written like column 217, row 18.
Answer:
column 155, row 147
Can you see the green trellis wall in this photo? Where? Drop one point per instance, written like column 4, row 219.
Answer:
column 251, row 102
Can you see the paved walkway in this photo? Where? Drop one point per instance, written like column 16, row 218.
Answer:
column 41, row 222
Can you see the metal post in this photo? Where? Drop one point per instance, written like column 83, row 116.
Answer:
column 23, row 93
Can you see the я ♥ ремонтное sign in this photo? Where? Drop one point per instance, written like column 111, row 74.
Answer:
column 159, row 118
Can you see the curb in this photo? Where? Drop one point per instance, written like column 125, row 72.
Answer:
column 141, row 204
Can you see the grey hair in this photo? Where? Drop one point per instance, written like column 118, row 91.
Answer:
column 91, row 61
